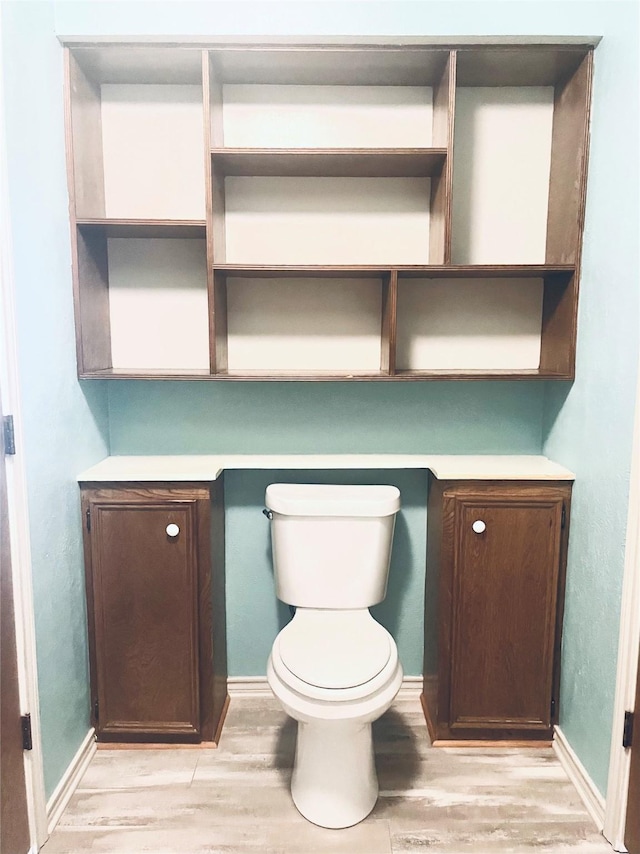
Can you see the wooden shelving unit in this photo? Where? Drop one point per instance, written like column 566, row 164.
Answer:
column 327, row 212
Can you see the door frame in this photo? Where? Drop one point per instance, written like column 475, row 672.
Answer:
column 627, row 669
column 19, row 514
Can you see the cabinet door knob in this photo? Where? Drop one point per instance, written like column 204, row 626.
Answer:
column 479, row 526
column 173, row 530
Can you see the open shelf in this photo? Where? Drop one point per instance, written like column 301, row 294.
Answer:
column 137, row 135
column 282, row 212
column 485, row 325
column 145, row 227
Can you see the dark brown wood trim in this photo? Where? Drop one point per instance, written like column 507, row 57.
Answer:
column 209, row 110
column 389, row 323
column 330, row 162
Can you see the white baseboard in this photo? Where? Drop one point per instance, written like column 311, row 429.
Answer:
column 257, row 686
column 70, row 779
column 577, row 773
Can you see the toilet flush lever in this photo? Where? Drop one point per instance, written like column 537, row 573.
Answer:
column 268, row 514
column 479, row 526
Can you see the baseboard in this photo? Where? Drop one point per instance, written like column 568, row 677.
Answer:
column 257, row 686
column 577, row 773
column 70, row 779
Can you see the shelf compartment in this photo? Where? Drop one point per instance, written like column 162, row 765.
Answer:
column 137, row 135
column 307, row 325
column 486, row 326
column 143, row 306
column 336, row 162
column 319, row 114
column 326, row 220
column 291, row 117
column 519, row 163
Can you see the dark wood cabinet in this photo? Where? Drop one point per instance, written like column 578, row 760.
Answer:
column 154, row 558
column 188, row 169
column 493, row 608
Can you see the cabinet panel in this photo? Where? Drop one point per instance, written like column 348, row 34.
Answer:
column 145, row 593
column 154, row 561
column 493, row 608
column 504, row 593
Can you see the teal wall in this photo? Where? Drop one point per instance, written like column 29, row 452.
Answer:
column 590, row 430
column 201, row 418
column 587, row 428
column 65, row 429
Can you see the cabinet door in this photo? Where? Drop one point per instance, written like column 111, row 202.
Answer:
column 145, row 601
column 504, row 593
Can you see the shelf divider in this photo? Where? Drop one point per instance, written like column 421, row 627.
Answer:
column 389, row 323
column 442, row 184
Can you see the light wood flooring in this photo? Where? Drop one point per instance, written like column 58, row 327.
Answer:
column 236, row 799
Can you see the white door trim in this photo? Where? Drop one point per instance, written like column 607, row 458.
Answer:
column 18, row 513
column 618, row 782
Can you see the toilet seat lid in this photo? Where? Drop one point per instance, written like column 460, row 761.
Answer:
column 334, row 649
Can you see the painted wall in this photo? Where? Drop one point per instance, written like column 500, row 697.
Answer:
column 179, row 418
column 64, row 428
column 590, row 431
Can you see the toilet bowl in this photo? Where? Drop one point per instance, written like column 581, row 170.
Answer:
column 334, row 668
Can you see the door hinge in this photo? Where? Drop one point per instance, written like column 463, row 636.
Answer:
column 627, row 730
column 9, row 435
column 553, row 708
column 96, row 709
column 88, row 518
column 27, row 738
column 563, row 520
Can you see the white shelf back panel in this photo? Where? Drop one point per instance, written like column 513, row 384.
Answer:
column 327, row 116
column 470, row 324
column 304, row 324
column 327, row 220
column 158, row 303
column 152, row 138
column 501, row 168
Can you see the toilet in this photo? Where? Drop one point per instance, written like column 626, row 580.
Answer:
column 333, row 668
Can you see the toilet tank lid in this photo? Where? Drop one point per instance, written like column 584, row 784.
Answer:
column 323, row 499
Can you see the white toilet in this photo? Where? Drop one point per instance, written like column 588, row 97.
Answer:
column 333, row 667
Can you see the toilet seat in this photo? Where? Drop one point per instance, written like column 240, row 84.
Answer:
column 334, row 655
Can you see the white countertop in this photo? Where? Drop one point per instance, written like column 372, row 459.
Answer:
column 208, row 468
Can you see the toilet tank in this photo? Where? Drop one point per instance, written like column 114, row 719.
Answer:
column 331, row 544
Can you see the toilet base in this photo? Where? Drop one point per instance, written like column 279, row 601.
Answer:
column 334, row 781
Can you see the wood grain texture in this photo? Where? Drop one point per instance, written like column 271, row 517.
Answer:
column 330, row 65
column 518, row 65
column 498, row 615
column 212, row 124
column 559, row 324
column 151, row 613
column 144, row 228
column 389, row 323
column 569, row 156
column 83, row 122
column 331, row 162
column 220, row 701
column 503, row 620
column 91, row 271
column 442, row 183
column 236, row 798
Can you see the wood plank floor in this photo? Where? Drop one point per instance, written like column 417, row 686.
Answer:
column 235, row 800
